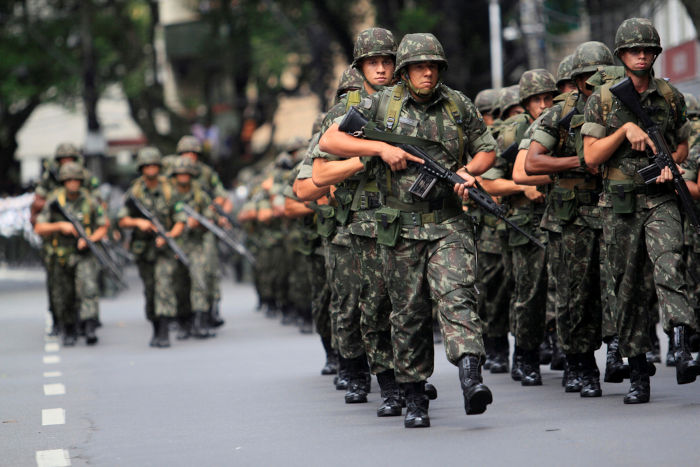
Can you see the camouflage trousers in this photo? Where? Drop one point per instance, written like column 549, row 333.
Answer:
column 630, row 239
column 423, row 274
column 298, row 282
column 374, row 305
column 495, row 287
column 213, row 267
column 320, row 295
column 529, row 309
column 75, row 288
column 200, row 296
column 147, row 273
column 345, row 293
column 171, row 288
column 692, row 260
column 576, row 265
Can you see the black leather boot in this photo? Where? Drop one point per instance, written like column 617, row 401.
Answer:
column 365, row 374
column 590, row 376
column 69, row 335
column 615, row 369
column 499, row 362
column 640, row 389
column 654, row 355
column 671, row 354
column 546, row 348
column 199, row 326
column 215, row 318
column 531, row 368
column 90, row 327
column 163, row 333
column 356, row 393
column 572, row 377
column 687, row 369
column 289, row 315
column 558, row 357
column 341, row 383
column 476, row 394
column 430, row 391
column 184, row 330
column 331, row 366
column 154, row 338
column 489, row 349
column 417, row 404
column 516, row 371
column 391, row 403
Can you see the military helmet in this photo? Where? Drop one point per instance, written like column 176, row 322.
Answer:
column 66, row 150
column 486, row 100
column 692, row 104
column 284, row 160
column 148, row 156
column 589, row 56
column 419, row 47
column 295, row 144
column 189, row 143
column 71, row 171
column 350, row 79
column 507, row 98
column 564, row 70
column 373, row 42
column 184, row 165
column 637, row 32
column 534, row 82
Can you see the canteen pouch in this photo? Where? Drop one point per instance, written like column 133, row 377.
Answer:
column 563, row 203
column 622, row 195
column 344, row 198
column 388, row 225
column 138, row 247
column 325, row 225
column 515, row 238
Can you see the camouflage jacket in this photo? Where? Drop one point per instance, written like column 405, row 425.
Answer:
column 49, row 180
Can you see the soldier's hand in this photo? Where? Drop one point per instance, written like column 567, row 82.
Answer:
column 67, row 229
column 223, row 222
column 160, row 241
column 192, row 223
column 593, row 170
column 638, row 138
column 666, row 174
column 533, row 194
column 396, row 158
column 145, row 225
column 462, row 188
column 82, row 244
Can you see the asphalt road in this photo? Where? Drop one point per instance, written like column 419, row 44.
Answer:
column 253, row 396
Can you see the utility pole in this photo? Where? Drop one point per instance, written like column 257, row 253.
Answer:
column 95, row 144
column 496, row 44
column 532, row 27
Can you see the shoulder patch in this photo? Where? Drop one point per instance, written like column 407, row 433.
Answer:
column 366, row 103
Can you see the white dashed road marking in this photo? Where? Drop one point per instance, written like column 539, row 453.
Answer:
column 51, row 359
column 51, row 347
column 53, row 458
column 53, row 417
column 52, row 374
column 56, row 389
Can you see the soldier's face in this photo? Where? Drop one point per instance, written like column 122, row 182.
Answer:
column 182, row 179
column 150, row 171
column 581, row 84
column 638, row 58
column 566, row 86
column 536, row 104
column 65, row 160
column 190, row 155
column 378, row 70
column 72, row 186
column 514, row 110
column 423, row 75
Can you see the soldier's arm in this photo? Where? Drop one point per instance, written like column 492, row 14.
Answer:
column 681, row 153
column 538, row 161
column 47, row 228
column 327, row 172
column 521, row 176
column 307, row 190
column 294, row 209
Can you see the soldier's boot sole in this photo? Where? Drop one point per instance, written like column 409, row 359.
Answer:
column 476, row 399
column 687, row 371
column 389, row 408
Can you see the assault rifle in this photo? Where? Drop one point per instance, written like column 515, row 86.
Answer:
column 511, row 152
column 220, row 233
column 102, row 258
column 624, row 90
column 430, row 171
column 160, row 229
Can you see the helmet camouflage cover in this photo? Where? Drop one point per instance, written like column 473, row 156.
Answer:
column 373, row 42
column 692, row 104
column 184, row 165
column 507, row 98
column 71, row 171
column 66, row 150
column 351, row 79
column 564, row 70
column 637, row 32
column 148, row 156
column 537, row 81
column 419, row 47
column 486, row 101
column 189, row 143
column 589, row 56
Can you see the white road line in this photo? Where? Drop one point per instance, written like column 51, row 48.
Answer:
column 51, row 347
column 52, row 374
column 53, row 458
column 51, row 359
column 55, row 389
column 53, row 417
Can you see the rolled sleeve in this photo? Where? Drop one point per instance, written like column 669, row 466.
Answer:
column 545, row 139
column 595, row 130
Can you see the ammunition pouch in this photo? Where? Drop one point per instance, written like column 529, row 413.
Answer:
column 343, row 197
column 563, row 203
column 623, row 195
column 325, row 223
column 388, row 225
column 515, row 238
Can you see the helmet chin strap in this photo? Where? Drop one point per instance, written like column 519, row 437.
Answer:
column 642, row 73
column 415, row 90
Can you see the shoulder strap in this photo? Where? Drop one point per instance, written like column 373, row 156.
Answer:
column 167, row 189
column 352, row 98
column 456, row 109
column 61, row 196
column 606, row 100
column 137, row 188
column 390, row 107
column 667, row 92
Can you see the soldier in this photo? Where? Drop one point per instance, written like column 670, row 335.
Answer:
column 565, row 81
column 639, row 220
column 65, row 152
column 427, row 247
column 486, row 101
column 189, row 146
column 194, row 243
column 363, row 329
column 536, row 92
column 155, row 262
column 573, row 222
column 73, row 267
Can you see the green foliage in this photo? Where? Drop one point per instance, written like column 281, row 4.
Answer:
column 562, row 16
column 418, row 19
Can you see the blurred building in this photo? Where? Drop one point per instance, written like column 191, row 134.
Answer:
column 680, row 61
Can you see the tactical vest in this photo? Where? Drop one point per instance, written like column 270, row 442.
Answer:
column 63, row 245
